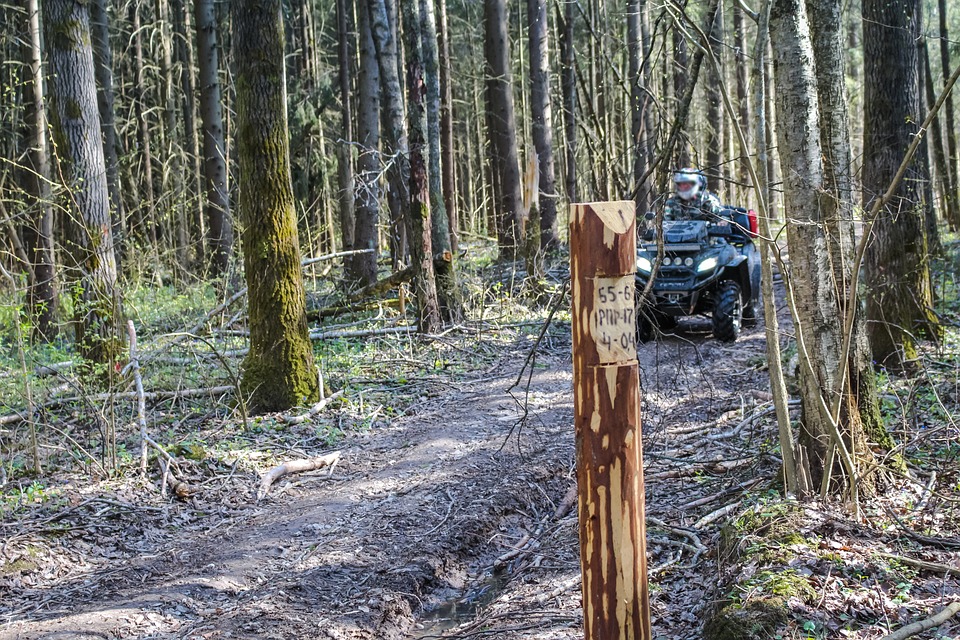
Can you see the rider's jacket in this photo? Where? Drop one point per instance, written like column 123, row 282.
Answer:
column 705, row 206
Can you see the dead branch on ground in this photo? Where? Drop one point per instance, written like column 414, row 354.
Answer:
column 296, row 466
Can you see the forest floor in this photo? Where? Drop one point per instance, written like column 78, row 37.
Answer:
column 452, row 513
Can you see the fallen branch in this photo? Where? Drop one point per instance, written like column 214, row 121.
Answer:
column 313, row 315
column 935, row 620
column 932, row 567
column 713, row 516
column 296, row 466
column 330, row 256
column 380, row 286
column 314, row 410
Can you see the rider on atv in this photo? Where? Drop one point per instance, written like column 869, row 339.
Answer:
column 692, row 201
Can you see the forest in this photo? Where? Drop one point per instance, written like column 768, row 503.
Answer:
column 303, row 332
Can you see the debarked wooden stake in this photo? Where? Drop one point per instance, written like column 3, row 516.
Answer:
column 607, row 420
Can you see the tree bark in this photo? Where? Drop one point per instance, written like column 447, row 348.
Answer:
column 345, row 177
column 421, row 250
column 542, row 115
column 953, row 156
column 568, row 82
column 446, row 127
column 149, row 202
column 860, row 400
column 103, row 70
column 185, row 58
column 642, row 182
column 364, row 266
column 503, row 125
column 76, row 126
column 950, row 204
column 395, row 129
column 279, row 371
column 743, row 90
column 38, row 228
column 815, row 306
column 899, row 289
column 443, row 261
column 714, row 138
column 219, row 222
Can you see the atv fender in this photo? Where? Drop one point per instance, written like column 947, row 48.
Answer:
column 738, row 270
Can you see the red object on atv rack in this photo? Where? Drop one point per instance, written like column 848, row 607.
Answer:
column 754, row 223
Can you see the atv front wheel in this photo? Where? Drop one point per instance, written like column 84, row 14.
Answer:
column 727, row 313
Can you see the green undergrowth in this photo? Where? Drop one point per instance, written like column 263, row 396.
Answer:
column 85, row 423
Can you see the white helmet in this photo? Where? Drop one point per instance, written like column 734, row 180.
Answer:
column 689, row 182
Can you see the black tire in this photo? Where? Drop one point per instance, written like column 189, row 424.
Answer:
column 727, row 312
column 646, row 331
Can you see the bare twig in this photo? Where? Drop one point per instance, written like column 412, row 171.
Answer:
column 935, row 620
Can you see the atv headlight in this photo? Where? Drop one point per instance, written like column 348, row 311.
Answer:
column 707, row 264
column 643, row 264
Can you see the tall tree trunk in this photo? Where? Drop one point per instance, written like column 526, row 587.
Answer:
column 899, row 289
column 568, row 81
column 38, row 229
column 103, row 70
column 932, row 228
column 638, row 105
column 345, row 178
column 395, row 129
column 681, row 70
column 859, row 400
column 149, row 203
column 815, row 305
column 76, row 127
column 443, row 261
column 219, row 222
column 542, row 116
column 503, row 123
column 368, row 162
column 421, row 251
column 950, row 204
column 714, row 138
column 743, row 90
column 953, row 157
column 279, row 372
column 447, row 150
column 185, row 59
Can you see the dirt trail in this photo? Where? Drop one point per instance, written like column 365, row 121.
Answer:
column 416, row 514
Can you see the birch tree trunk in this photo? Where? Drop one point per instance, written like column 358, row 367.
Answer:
column 808, row 204
column 279, row 371
column 76, row 127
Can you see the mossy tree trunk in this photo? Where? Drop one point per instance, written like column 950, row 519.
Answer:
column 279, row 371
column 76, row 127
column 899, row 289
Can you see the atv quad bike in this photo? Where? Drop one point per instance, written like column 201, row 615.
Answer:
column 706, row 268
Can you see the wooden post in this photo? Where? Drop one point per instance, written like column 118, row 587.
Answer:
column 606, row 391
